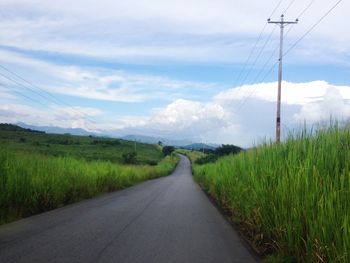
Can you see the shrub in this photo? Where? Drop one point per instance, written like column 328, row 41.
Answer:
column 167, row 150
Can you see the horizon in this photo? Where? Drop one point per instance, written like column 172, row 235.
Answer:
column 194, row 70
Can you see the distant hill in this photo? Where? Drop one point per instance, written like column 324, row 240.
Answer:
column 199, row 146
column 13, row 127
column 56, row 130
column 155, row 140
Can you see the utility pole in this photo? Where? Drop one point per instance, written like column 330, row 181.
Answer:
column 281, row 23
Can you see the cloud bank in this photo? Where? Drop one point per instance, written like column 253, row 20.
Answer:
column 221, row 120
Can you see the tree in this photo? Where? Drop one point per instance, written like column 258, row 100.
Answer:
column 227, row 149
column 167, row 150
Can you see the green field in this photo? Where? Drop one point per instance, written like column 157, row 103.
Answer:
column 39, row 171
column 80, row 147
column 292, row 200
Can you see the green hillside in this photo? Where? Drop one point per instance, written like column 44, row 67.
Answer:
column 19, row 140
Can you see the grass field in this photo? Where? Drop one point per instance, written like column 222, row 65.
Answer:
column 292, row 199
column 80, row 147
column 39, row 171
column 30, row 184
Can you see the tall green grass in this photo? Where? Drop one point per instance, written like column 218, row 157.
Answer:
column 30, row 184
column 293, row 198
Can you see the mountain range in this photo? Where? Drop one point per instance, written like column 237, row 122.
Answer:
column 187, row 144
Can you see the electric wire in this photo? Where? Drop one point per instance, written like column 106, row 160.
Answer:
column 298, row 17
column 255, row 45
column 28, row 98
column 48, row 96
column 290, row 4
column 312, row 28
column 296, row 42
column 24, row 96
column 259, row 54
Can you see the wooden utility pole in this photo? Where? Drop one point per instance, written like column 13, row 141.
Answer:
column 281, row 23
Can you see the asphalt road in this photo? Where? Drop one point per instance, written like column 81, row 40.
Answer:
column 168, row 219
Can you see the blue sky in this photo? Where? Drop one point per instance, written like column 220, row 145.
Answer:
column 171, row 69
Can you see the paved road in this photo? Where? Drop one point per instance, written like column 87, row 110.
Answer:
column 163, row 220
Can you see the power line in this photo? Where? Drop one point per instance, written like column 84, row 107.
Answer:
column 19, row 84
column 312, row 27
column 259, row 55
column 306, row 8
column 25, row 96
column 255, row 45
column 250, row 54
column 274, row 10
column 240, row 106
column 48, row 95
column 299, row 16
column 272, row 67
column 290, row 4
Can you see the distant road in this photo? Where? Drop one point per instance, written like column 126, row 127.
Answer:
column 168, row 219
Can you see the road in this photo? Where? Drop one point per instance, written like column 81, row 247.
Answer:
column 168, row 219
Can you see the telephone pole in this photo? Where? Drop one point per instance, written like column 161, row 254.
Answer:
column 281, row 23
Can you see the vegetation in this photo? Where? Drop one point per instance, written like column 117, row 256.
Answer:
column 129, row 158
column 167, row 150
column 33, row 183
column 212, row 156
column 19, row 140
column 12, row 127
column 292, row 199
column 192, row 155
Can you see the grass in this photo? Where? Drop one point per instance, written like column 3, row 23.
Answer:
column 40, row 171
column 192, row 155
column 80, row 147
column 292, row 199
column 33, row 183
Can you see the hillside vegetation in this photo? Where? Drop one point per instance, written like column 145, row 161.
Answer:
column 19, row 140
column 291, row 199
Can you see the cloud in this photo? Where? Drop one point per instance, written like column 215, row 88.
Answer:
column 195, row 30
column 98, row 83
column 66, row 117
column 292, row 93
column 332, row 105
column 222, row 120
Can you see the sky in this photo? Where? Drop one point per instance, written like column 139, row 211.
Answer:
column 194, row 69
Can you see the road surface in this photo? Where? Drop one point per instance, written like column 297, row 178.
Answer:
column 168, row 219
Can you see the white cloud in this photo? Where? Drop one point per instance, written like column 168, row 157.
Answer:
column 332, row 105
column 98, row 83
column 223, row 121
column 292, row 93
column 218, row 121
column 66, row 117
column 192, row 30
